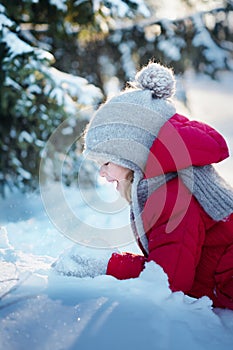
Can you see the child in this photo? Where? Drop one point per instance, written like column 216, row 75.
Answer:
column 181, row 209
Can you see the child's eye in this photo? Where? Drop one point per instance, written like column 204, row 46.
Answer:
column 106, row 163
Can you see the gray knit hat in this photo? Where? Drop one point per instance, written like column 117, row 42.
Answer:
column 125, row 127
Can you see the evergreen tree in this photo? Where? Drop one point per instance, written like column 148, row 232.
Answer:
column 34, row 99
column 101, row 41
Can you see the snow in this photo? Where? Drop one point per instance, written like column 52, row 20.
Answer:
column 121, row 8
column 170, row 48
column 25, row 174
column 60, row 4
column 43, row 309
column 172, row 44
column 4, row 21
column 212, row 51
column 127, row 62
column 24, row 135
column 16, row 45
column 75, row 86
column 142, row 8
column 178, row 8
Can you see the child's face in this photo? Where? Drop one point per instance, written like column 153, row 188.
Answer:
column 116, row 173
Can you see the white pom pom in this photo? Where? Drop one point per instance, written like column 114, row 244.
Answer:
column 157, row 78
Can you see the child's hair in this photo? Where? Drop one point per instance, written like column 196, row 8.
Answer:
column 128, row 186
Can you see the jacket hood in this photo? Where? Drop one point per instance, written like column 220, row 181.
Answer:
column 182, row 143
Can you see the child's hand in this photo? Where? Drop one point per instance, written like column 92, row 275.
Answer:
column 82, row 261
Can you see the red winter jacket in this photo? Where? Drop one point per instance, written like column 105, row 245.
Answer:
column 197, row 253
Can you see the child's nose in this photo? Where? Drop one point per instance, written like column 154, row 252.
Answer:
column 102, row 171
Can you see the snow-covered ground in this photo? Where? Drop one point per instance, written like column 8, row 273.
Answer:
column 40, row 309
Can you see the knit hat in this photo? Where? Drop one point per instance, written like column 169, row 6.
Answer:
column 124, row 128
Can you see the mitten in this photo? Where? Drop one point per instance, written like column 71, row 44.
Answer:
column 82, row 261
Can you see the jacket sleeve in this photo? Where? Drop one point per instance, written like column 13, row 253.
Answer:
column 177, row 235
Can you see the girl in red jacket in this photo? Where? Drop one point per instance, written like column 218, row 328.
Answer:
column 181, row 209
